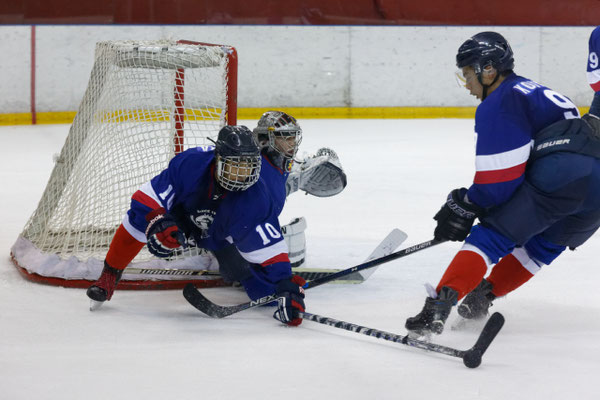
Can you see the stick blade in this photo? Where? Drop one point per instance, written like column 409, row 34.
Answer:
column 387, row 246
column 201, row 303
column 472, row 357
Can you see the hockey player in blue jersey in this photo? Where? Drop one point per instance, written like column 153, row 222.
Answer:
column 536, row 189
column 593, row 75
column 216, row 199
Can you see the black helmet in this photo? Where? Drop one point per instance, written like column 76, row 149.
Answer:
column 483, row 49
column 238, row 158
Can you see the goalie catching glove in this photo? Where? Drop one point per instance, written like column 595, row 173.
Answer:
column 456, row 217
column 290, row 301
column 162, row 234
column 321, row 175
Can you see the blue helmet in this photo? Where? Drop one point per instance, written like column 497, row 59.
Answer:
column 486, row 49
column 238, row 159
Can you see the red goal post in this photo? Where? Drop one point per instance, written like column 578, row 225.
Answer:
column 145, row 102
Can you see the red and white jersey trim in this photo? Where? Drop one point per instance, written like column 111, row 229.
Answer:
column 527, row 262
column 137, row 234
column 147, row 196
column 475, row 249
column 266, row 253
column 502, row 167
column 594, row 79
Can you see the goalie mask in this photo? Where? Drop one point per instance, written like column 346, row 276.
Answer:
column 281, row 131
column 237, row 158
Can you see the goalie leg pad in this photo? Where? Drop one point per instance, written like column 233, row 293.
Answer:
column 294, row 236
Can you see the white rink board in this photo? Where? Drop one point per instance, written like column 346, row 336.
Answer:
column 303, row 66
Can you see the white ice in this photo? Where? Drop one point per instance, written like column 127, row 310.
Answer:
column 153, row 345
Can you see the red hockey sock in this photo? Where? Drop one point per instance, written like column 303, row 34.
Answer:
column 123, row 249
column 464, row 273
column 508, row 275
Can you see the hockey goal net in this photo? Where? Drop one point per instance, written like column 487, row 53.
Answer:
column 145, row 102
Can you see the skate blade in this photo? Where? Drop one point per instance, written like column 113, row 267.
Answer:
column 424, row 336
column 94, row 305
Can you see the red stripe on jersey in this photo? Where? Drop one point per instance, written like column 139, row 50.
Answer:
column 283, row 257
column 146, row 200
column 500, row 175
column 595, row 86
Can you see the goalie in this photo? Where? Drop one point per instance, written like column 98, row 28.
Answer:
column 321, row 175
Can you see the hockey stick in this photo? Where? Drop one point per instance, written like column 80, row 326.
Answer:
column 471, row 358
column 387, row 246
column 199, row 301
column 373, row 263
column 184, row 273
column 170, row 271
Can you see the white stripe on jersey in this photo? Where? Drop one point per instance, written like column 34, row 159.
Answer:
column 593, row 77
column 261, row 255
column 474, row 249
column 527, row 262
column 147, row 189
column 507, row 159
column 138, row 235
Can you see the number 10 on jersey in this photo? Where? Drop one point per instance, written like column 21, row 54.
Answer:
column 272, row 232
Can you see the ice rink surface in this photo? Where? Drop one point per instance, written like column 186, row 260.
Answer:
column 154, row 345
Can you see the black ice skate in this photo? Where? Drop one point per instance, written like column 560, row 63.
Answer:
column 103, row 289
column 477, row 303
column 434, row 314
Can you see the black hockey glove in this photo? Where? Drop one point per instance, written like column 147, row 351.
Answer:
column 456, row 217
column 290, row 301
column 163, row 234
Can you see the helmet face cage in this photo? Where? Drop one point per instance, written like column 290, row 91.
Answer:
column 285, row 143
column 283, row 132
column 237, row 173
column 237, row 158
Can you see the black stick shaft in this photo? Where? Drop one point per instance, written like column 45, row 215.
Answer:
column 373, row 263
column 392, row 337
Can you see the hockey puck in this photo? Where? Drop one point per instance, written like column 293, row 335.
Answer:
column 472, row 358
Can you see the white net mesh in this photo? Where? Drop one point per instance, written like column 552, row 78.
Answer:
column 145, row 101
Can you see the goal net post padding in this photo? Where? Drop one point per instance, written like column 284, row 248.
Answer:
column 145, row 102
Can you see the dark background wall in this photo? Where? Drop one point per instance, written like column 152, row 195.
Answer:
column 302, row 12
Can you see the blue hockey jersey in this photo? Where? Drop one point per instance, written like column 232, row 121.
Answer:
column 506, row 123
column 593, row 65
column 212, row 218
column 276, row 178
